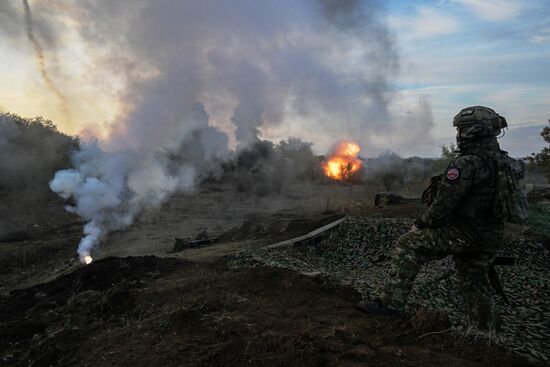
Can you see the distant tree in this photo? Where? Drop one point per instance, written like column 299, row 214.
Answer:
column 448, row 153
column 299, row 158
column 541, row 160
column 31, row 151
column 388, row 169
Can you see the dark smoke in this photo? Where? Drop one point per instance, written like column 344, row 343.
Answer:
column 265, row 168
column 323, row 68
column 254, row 65
column 40, row 59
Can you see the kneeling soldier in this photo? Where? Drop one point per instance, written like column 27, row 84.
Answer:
column 465, row 219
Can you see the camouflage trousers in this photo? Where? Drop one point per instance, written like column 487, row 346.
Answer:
column 473, row 251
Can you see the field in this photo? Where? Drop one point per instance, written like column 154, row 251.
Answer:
column 233, row 302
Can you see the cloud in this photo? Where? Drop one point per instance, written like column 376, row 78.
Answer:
column 524, row 140
column 542, row 36
column 493, row 10
column 427, row 22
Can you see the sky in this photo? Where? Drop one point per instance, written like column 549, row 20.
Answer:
column 478, row 52
column 421, row 61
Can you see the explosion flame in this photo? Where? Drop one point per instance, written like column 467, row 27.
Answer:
column 343, row 163
column 87, row 259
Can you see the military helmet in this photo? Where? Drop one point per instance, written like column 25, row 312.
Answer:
column 478, row 122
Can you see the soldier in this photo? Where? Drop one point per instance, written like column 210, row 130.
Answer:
column 462, row 221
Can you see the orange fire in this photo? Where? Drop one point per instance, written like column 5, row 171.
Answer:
column 343, row 163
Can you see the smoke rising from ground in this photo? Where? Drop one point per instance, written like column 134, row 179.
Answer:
column 111, row 188
column 201, row 76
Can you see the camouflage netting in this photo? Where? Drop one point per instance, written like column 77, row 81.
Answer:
column 357, row 253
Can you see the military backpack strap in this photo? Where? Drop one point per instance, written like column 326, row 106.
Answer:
column 430, row 193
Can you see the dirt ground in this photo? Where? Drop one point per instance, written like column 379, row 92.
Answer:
column 137, row 305
column 143, row 311
column 38, row 238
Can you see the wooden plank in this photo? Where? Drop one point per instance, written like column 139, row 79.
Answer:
column 307, row 237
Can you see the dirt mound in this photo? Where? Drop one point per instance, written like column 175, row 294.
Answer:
column 150, row 311
column 101, row 275
column 276, row 229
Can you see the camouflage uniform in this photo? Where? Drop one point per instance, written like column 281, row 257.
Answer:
column 460, row 222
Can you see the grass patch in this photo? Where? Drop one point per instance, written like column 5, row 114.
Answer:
column 539, row 220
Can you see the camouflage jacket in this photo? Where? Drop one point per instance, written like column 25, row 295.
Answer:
column 467, row 190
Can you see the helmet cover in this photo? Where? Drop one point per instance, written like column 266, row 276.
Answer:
column 477, row 122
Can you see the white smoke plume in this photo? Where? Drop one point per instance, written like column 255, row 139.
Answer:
column 109, row 189
column 252, row 65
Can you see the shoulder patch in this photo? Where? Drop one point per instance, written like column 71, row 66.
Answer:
column 452, row 174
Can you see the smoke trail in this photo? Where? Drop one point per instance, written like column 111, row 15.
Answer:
column 40, row 59
column 109, row 189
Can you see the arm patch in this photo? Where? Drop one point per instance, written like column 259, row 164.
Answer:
column 452, row 174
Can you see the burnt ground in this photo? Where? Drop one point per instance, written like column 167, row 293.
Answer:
column 192, row 308
column 143, row 311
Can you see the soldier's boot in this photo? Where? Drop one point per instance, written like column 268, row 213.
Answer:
column 376, row 307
